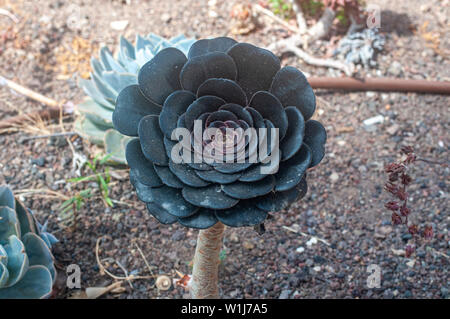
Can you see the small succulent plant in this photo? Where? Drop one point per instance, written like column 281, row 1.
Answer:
column 223, row 85
column 109, row 76
column 27, row 270
column 361, row 47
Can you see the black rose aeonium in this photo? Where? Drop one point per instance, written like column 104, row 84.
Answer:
column 225, row 84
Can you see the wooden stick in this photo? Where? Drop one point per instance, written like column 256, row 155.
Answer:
column 289, row 45
column 27, row 138
column 28, row 93
column 5, row 12
column 272, row 16
column 301, row 22
column 52, row 112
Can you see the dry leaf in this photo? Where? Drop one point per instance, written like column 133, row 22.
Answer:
column 95, row 292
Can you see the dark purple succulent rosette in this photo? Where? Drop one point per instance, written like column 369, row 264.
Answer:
column 225, row 84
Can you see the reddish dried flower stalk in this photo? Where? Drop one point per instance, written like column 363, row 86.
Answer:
column 396, row 219
column 409, row 250
column 406, row 179
column 413, row 229
column 407, row 149
column 392, row 206
column 398, row 180
column 391, row 188
column 428, row 232
column 395, row 168
column 404, row 210
column 402, row 195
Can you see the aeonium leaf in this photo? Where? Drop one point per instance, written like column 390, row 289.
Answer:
column 159, row 77
column 315, row 138
column 256, row 67
column 204, row 218
column 291, row 87
column 294, row 135
column 161, row 214
column 245, row 213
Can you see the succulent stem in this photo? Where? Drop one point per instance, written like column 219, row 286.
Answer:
column 204, row 282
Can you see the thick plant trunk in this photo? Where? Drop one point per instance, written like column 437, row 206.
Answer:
column 204, row 282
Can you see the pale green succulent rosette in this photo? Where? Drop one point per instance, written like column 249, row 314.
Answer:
column 109, row 76
column 27, row 268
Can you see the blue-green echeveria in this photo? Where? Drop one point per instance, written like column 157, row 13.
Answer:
column 27, row 269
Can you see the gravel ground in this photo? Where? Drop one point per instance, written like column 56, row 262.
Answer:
column 344, row 207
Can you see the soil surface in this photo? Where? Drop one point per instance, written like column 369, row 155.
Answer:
column 323, row 245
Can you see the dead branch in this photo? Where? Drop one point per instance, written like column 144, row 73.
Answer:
column 28, row 93
column 289, row 45
column 306, row 235
column 303, row 36
column 301, row 22
column 272, row 16
column 27, row 138
column 103, row 269
column 55, row 110
column 8, row 14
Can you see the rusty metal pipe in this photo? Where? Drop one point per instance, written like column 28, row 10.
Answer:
column 380, row 84
column 331, row 83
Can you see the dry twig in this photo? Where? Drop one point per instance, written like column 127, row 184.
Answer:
column 306, row 235
column 104, row 270
column 28, row 93
column 289, row 45
column 303, row 36
column 27, row 138
column 272, row 16
column 8, row 14
column 301, row 22
column 55, row 108
column 41, row 193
